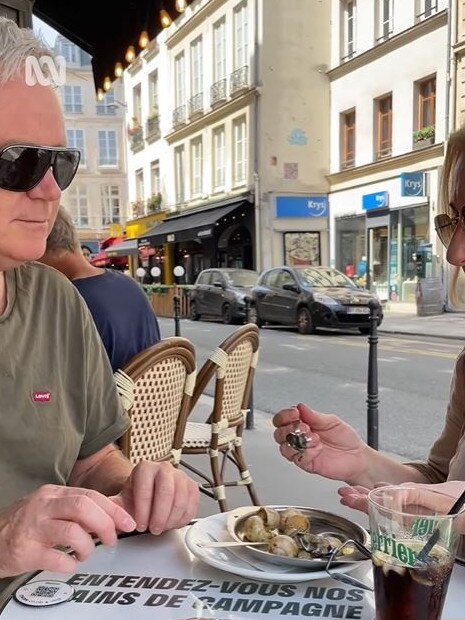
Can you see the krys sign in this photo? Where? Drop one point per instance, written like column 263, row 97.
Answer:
column 412, row 184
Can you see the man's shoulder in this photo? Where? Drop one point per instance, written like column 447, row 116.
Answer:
column 35, row 272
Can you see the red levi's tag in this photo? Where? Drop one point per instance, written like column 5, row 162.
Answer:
column 41, row 397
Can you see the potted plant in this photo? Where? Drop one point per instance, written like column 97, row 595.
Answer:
column 424, row 136
column 154, row 202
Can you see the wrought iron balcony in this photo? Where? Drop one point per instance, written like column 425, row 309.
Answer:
column 195, row 105
column 218, row 92
column 136, row 138
column 179, row 115
column 239, row 80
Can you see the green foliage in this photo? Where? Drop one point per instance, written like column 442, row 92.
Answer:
column 424, row 133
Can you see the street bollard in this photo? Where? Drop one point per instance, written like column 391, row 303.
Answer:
column 249, row 419
column 177, row 315
column 372, row 385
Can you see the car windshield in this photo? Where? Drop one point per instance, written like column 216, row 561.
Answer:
column 241, row 277
column 321, row 277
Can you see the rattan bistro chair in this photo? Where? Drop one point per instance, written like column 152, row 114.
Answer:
column 156, row 386
column 232, row 366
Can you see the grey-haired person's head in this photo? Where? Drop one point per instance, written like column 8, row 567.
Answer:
column 63, row 236
column 16, row 45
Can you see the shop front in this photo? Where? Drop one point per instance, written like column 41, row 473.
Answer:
column 301, row 230
column 218, row 235
column 379, row 247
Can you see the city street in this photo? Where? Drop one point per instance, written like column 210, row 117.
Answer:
column 329, row 371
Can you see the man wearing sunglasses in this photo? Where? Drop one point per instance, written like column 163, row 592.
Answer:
column 62, row 480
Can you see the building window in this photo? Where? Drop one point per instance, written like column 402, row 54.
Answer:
column 219, row 50
column 108, row 105
column 348, row 139
column 426, row 103
column 139, row 184
column 240, row 150
column 196, row 167
column 241, row 43
column 153, row 92
column 72, row 99
column 78, row 205
column 69, row 51
column 196, row 67
column 107, row 151
column 179, row 167
column 383, row 114
column 179, row 80
column 219, row 158
column 111, row 202
column 425, row 9
column 348, row 28
column 75, row 140
column 384, row 18
column 137, row 105
column 155, row 177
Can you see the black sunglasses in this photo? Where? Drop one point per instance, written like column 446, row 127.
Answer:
column 22, row 166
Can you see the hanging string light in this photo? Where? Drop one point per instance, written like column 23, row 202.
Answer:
column 100, row 94
column 181, row 6
column 106, row 83
column 143, row 39
column 118, row 70
column 165, row 19
column 130, row 53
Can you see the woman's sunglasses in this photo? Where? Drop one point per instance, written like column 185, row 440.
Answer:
column 445, row 226
column 22, row 167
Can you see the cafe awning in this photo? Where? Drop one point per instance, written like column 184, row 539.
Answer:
column 125, row 248
column 100, row 260
column 189, row 226
column 105, row 33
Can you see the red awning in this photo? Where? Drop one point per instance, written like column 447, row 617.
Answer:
column 101, row 260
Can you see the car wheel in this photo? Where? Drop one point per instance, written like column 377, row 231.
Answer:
column 253, row 316
column 194, row 315
column 305, row 322
column 364, row 330
column 227, row 314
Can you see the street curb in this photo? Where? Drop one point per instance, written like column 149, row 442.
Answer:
column 400, row 332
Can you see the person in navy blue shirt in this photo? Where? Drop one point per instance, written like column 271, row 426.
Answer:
column 121, row 311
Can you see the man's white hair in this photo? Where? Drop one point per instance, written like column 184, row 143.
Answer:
column 16, row 44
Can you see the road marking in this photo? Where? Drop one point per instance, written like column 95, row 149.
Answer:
column 392, row 359
column 276, row 369
column 296, row 347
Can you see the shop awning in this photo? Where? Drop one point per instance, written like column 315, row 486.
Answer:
column 100, row 260
column 189, row 226
column 125, row 248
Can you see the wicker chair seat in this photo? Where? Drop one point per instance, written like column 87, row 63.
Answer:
column 198, row 435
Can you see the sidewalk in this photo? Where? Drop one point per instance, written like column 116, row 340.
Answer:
column 447, row 325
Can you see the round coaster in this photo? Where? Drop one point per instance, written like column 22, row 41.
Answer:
column 44, row 593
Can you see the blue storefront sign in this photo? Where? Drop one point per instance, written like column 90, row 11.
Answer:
column 375, row 201
column 412, row 184
column 301, row 206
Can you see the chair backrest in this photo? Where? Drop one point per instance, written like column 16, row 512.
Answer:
column 163, row 379
column 233, row 366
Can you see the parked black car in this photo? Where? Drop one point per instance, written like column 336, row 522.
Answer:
column 220, row 293
column 310, row 297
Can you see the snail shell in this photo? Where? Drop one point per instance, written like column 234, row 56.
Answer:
column 269, row 516
column 283, row 545
column 255, row 530
column 296, row 523
column 285, row 514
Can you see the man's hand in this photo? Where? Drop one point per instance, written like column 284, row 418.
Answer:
column 159, row 497
column 335, row 449
column 52, row 516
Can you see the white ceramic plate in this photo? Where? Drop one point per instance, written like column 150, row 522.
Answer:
column 239, row 561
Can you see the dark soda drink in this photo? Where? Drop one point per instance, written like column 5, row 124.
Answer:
column 411, row 593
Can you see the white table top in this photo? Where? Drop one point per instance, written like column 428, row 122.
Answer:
column 157, row 578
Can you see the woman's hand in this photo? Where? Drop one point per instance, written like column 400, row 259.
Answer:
column 335, row 450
